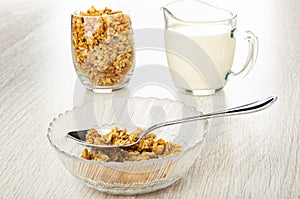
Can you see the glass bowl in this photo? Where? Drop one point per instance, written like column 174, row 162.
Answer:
column 103, row 47
column 129, row 177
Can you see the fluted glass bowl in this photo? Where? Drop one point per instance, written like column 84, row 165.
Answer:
column 129, row 177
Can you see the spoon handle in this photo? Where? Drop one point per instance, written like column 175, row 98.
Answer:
column 244, row 109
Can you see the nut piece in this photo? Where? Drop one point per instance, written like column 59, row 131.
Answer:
column 147, row 148
column 102, row 44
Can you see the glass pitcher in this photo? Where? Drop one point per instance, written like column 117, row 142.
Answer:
column 200, row 46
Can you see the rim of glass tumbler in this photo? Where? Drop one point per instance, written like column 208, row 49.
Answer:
column 209, row 22
column 170, row 157
column 113, row 7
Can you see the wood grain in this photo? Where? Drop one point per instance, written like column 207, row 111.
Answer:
column 254, row 156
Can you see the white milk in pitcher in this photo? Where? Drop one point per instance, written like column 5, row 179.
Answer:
column 218, row 52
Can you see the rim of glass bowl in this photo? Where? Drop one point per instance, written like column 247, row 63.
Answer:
column 173, row 156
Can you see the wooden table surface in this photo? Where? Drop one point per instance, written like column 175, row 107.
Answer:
column 251, row 156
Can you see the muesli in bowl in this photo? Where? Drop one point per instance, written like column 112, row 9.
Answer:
column 148, row 148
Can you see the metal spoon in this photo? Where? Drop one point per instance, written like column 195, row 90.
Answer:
column 80, row 136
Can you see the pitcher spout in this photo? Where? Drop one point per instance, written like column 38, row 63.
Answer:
column 168, row 17
column 194, row 11
column 167, row 12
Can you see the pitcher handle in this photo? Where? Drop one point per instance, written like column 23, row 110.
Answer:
column 252, row 53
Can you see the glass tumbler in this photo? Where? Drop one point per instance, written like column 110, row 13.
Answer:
column 102, row 48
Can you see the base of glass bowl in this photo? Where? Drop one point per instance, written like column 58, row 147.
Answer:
column 132, row 189
column 199, row 92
